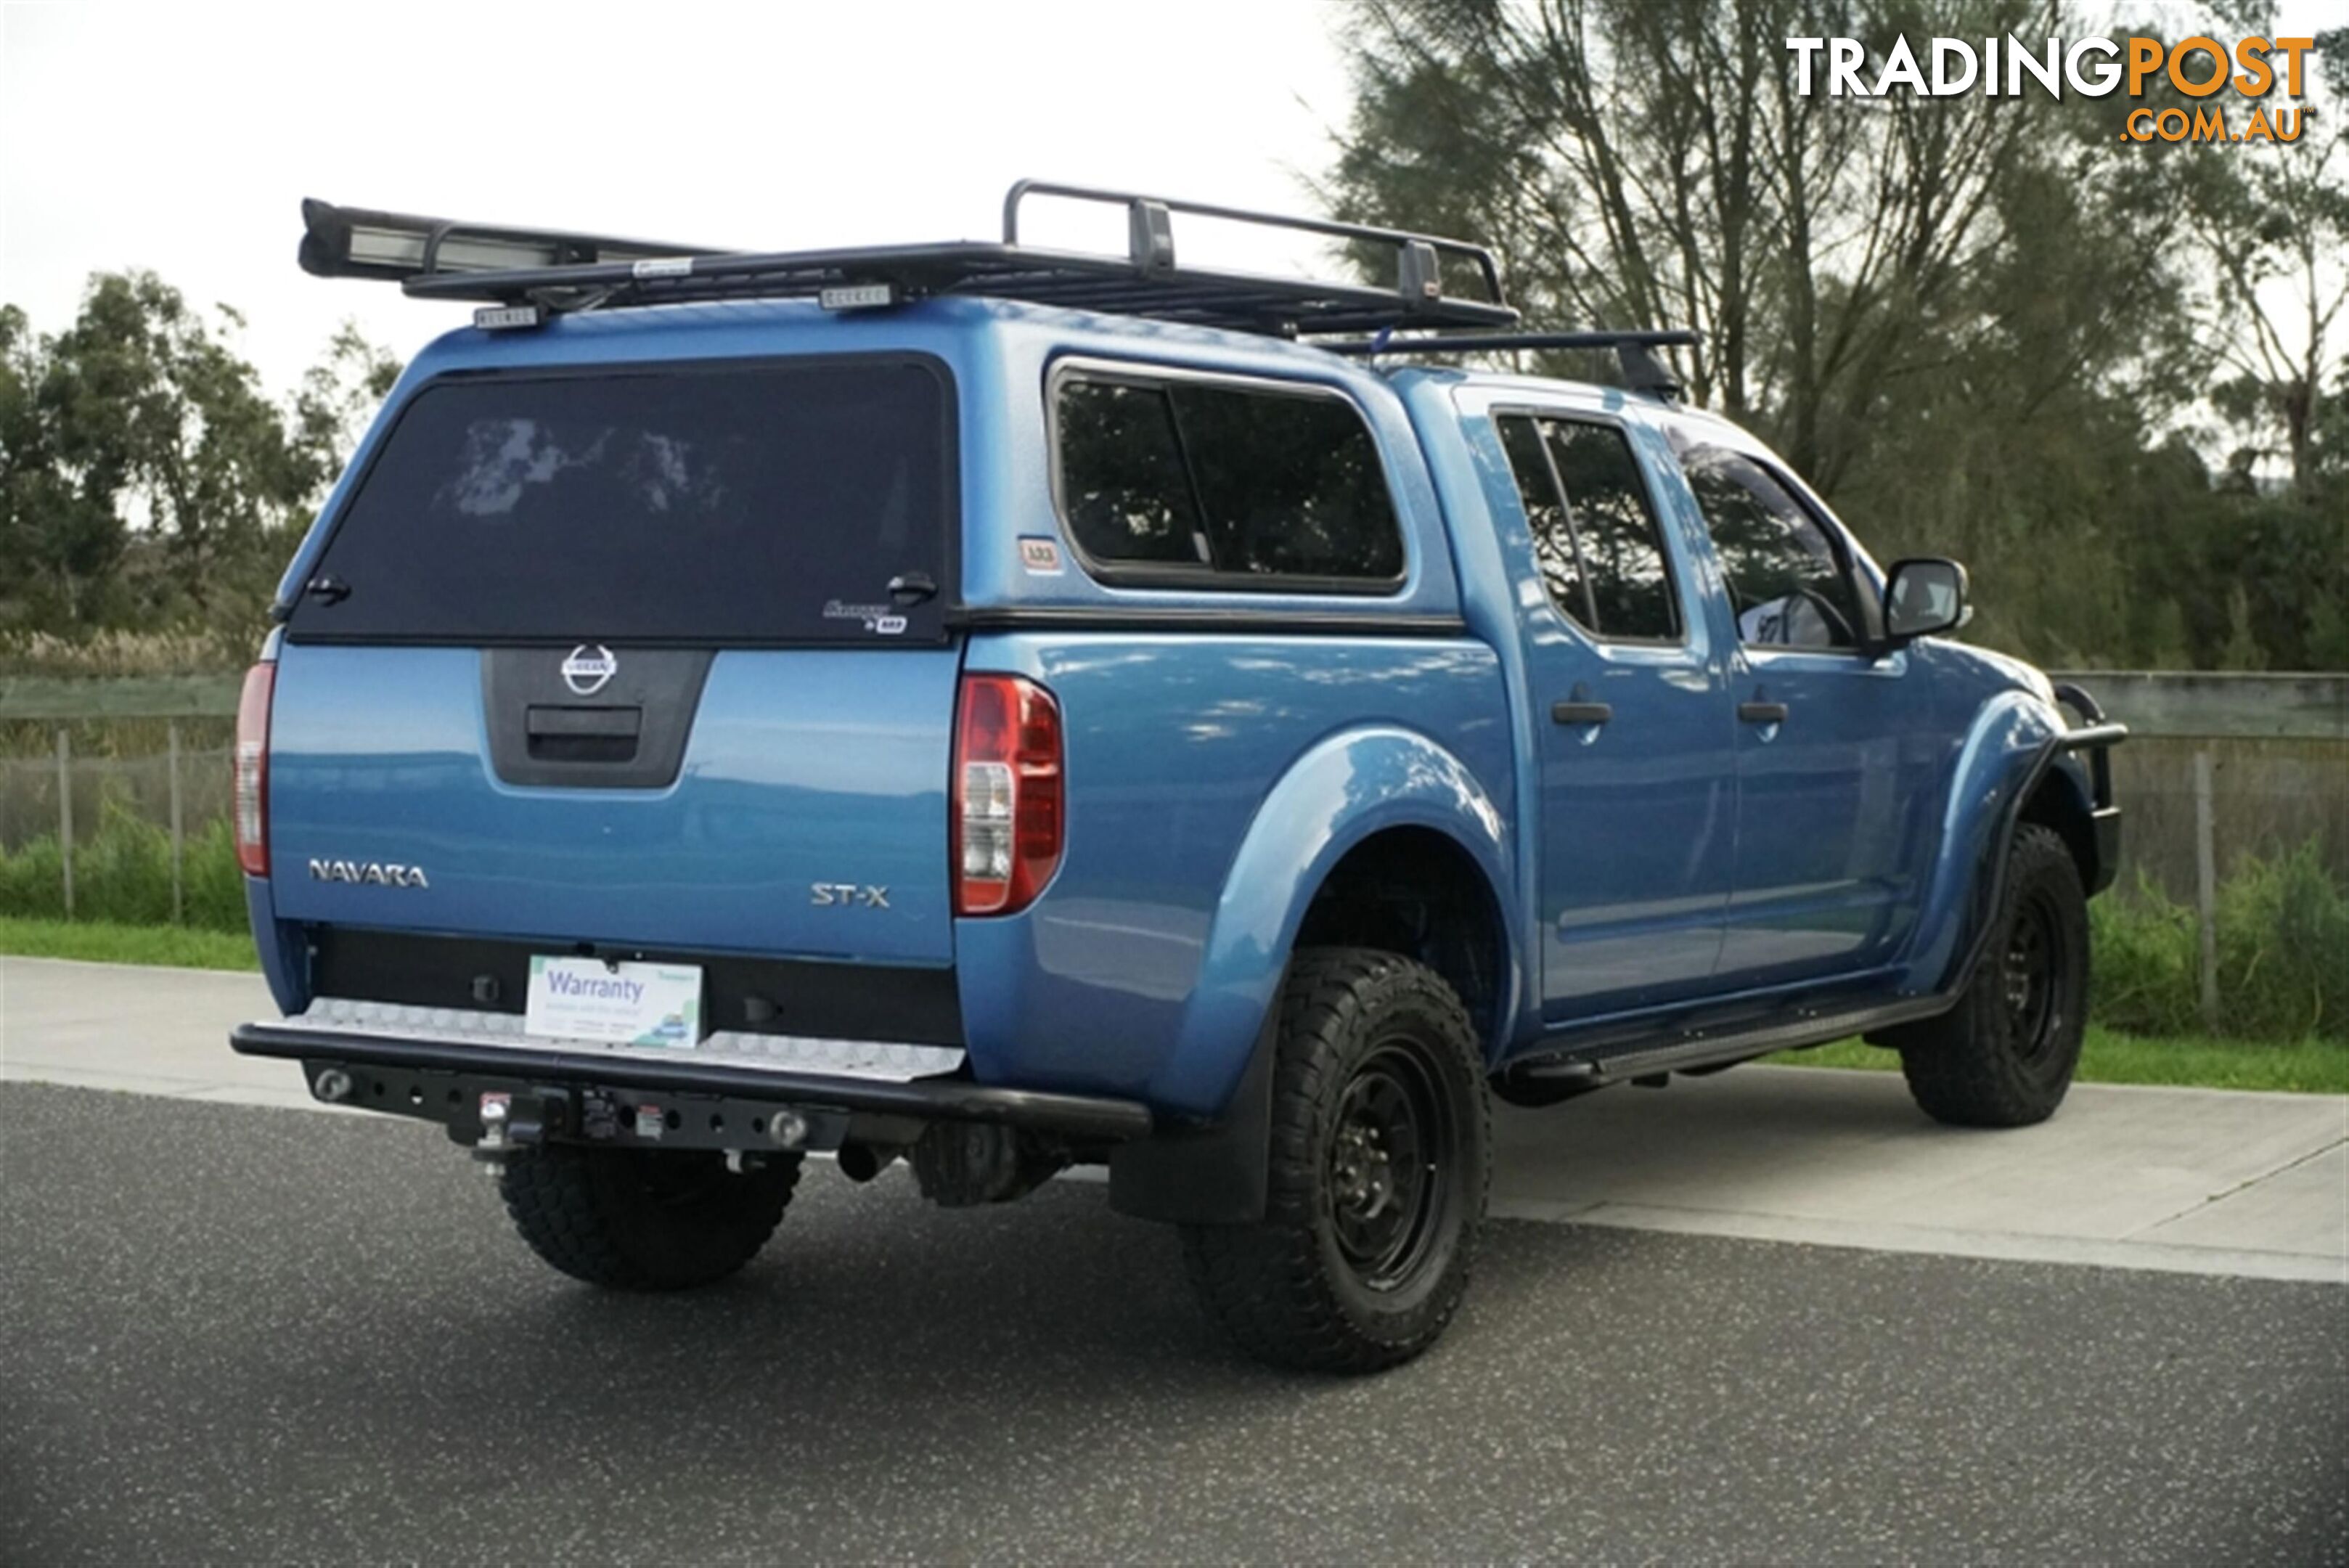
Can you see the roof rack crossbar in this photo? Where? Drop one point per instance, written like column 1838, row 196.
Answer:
column 1418, row 272
column 433, row 258
column 1633, row 348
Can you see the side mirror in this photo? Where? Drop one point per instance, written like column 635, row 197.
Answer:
column 1922, row 596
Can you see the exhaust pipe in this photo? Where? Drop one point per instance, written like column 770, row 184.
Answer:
column 860, row 1162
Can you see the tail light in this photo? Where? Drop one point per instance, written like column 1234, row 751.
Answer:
column 251, row 762
column 1007, row 826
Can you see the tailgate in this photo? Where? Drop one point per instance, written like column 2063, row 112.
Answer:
column 799, row 767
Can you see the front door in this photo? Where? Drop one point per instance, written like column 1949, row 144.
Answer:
column 1830, row 782
column 1637, row 783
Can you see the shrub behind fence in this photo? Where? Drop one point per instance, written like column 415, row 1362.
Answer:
column 122, row 871
column 2283, row 952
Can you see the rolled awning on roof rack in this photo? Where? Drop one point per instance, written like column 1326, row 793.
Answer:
column 354, row 242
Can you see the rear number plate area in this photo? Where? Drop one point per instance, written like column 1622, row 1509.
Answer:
column 644, row 1005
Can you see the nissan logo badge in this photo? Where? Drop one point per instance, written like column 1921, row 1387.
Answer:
column 588, row 670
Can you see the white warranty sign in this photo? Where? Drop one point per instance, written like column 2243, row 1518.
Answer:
column 623, row 1004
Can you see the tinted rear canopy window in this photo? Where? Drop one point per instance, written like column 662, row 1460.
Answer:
column 705, row 504
column 1201, row 483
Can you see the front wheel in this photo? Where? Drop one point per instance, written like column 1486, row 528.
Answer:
column 1379, row 1165
column 2004, row 1056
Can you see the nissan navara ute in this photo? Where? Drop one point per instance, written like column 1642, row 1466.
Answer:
column 1009, row 709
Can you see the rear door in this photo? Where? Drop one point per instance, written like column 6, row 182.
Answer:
column 1636, row 775
column 654, row 656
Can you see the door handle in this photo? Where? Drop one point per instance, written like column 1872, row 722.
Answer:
column 1581, row 712
column 1762, row 712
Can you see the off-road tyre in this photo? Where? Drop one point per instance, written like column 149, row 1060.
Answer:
column 1368, row 1043
column 2004, row 1056
column 642, row 1219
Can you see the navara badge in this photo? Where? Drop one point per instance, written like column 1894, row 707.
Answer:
column 368, row 873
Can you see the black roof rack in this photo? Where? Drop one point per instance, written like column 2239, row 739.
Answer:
column 527, row 273
column 1642, row 371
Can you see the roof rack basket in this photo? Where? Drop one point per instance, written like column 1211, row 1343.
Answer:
column 528, row 274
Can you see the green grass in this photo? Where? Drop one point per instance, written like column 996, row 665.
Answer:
column 101, row 941
column 2311, row 1066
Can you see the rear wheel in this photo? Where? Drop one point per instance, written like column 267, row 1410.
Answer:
column 1378, row 1166
column 642, row 1219
column 2004, row 1055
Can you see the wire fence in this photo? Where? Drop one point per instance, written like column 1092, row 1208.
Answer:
column 2218, row 769
column 2264, row 798
column 141, row 786
column 55, row 806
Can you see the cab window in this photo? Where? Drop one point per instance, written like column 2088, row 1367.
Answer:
column 1789, row 583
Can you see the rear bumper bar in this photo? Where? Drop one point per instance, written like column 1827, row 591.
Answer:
column 933, row 1099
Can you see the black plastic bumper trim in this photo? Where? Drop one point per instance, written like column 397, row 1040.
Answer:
column 946, row 1099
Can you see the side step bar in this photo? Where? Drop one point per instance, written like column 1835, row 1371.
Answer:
column 1714, row 1048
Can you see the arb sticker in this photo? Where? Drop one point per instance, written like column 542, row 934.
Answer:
column 877, row 618
column 1040, row 555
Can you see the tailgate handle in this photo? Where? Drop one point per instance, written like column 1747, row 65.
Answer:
column 606, row 724
column 566, row 734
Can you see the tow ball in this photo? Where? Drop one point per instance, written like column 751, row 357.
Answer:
column 511, row 1121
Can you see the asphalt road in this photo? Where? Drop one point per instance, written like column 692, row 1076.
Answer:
column 229, row 1332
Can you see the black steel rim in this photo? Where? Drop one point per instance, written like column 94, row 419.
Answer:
column 1389, row 1167
column 2028, row 976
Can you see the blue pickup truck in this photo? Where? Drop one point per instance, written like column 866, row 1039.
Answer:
column 1009, row 709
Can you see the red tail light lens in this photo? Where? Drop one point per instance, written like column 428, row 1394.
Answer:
column 250, row 762
column 1007, row 826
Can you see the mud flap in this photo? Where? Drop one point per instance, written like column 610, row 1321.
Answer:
column 1215, row 1175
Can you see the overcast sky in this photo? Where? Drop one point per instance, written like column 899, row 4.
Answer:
column 183, row 137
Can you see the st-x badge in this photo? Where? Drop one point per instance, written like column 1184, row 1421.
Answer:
column 847, row 895
column 588, row 669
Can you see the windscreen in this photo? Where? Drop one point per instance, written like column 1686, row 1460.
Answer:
column 766, row 504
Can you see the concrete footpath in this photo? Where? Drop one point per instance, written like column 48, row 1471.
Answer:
column 2189, row 1180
